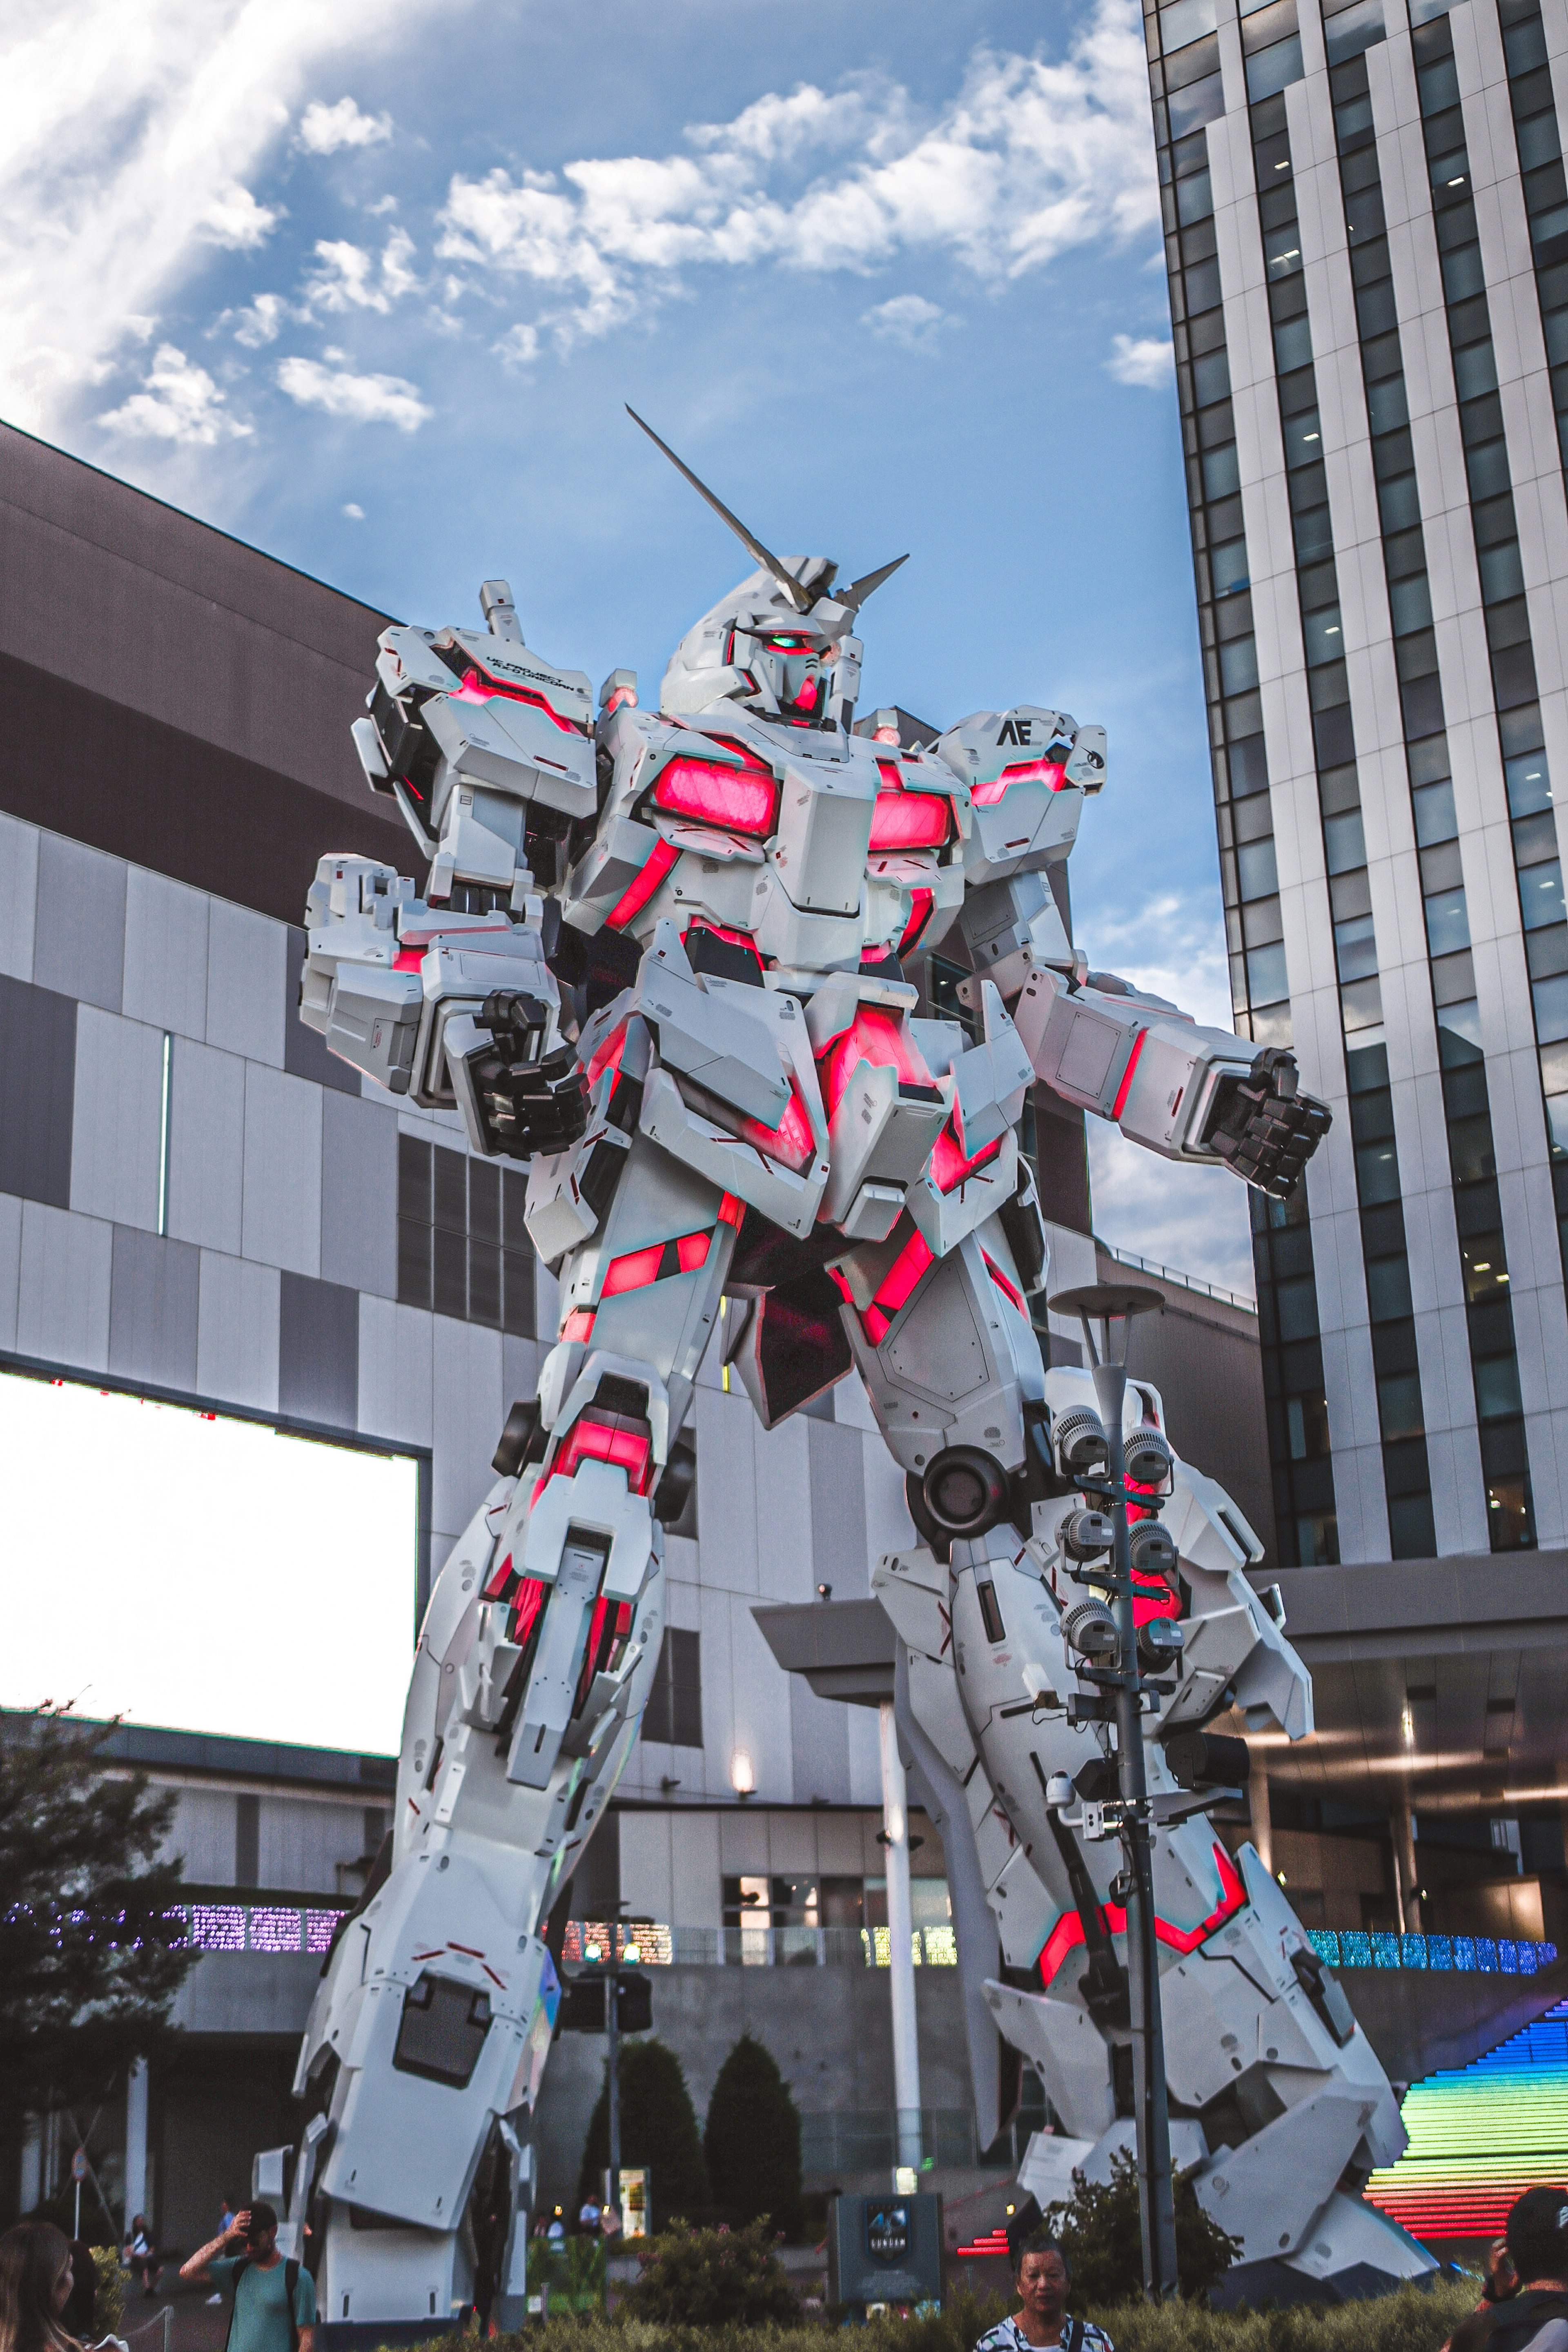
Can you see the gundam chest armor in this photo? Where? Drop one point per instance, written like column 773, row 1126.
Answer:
column 659, row 959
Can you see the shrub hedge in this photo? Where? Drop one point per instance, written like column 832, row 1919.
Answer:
column 1410, row 2321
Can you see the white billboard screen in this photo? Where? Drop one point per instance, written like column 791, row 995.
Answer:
column 200, row 1573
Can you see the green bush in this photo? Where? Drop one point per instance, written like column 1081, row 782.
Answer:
column 713, row 2278
column 1102, row 2239
column 658, row 2129
column 1410, row 2321
column 109, row 2305
column 574, row 2271
column 752, row 2141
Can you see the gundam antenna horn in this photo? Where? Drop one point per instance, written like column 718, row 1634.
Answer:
column 855, row 595
column 797, row 595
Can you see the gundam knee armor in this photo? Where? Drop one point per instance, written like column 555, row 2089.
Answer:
column 659, row 959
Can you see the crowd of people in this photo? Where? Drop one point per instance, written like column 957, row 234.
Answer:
column 47, row 2287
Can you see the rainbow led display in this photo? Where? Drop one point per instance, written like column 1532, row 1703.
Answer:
column 1480, row 2136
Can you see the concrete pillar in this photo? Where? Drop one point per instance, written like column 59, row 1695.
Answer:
column 136, row 2140
column 1262, row 1819
column 1407, row 1870
column 900, row 1956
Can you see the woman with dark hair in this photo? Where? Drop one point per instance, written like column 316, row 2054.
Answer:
column 36, row 2281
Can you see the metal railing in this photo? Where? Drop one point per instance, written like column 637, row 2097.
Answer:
column 654, row 1944
column 1175, row 1274
column 875, row 2139
column 1506, row 1955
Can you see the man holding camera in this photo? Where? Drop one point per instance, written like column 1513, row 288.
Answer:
column 274, row 2300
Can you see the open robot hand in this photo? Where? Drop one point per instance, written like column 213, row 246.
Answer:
column 1264, row 1127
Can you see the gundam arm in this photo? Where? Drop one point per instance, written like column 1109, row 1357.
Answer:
column 451, row 999
column 1186, row 1092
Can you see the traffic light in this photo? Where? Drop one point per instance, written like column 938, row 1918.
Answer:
column 582, row 2005
column 634, row 2005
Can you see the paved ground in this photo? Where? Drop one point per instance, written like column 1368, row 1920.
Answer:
column 192, row 2323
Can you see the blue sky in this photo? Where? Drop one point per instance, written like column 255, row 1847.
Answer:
column 370, row 292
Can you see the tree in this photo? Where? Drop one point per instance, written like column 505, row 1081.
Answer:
column 92, row 1950
column 704, row 2278
column 1101, row 2238
column 658, row 2129
column 752, row 2140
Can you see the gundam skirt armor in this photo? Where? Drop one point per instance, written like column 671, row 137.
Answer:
column 659, row 956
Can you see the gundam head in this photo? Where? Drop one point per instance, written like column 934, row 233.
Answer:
column 783, row 643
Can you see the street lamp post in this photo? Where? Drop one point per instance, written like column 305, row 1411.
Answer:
column 1106, row 1305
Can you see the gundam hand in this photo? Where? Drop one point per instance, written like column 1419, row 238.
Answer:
column 1264, row 1127
column 529, row 1100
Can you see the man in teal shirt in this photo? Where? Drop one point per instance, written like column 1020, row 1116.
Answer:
column 262, row 2282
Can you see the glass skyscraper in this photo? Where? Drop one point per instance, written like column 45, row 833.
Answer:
column 1366, row 231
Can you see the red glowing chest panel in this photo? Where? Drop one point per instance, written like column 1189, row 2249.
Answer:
column 741, row 800
column 904, row 820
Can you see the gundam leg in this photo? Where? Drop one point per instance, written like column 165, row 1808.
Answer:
column 1279, row 2104
column 434, row 2018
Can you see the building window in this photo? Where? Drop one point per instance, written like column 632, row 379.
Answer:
column 462, row 1246
column 674, row 1710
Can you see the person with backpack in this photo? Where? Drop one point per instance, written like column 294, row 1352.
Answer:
column 1043, row 2277
column 274, row 2307
column 1535, row 2317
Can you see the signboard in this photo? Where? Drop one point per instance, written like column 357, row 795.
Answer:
column 634, row 2188
column 884, row 2249
column 78, row 2165
column 886, row 2232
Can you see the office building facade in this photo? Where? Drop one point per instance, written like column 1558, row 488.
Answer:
column 1366, row 229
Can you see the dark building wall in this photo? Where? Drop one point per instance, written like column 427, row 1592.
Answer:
column 173, row 696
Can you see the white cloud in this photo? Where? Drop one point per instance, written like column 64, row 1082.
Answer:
column 233, row 219
column 1029, row 160
column 130, row 127
column 363, row 399
column 323, row 130
column 260, row 322
column 1146, row 360
column 178, row 401
column 347, row 277
column 355, row 513
column 907, row 319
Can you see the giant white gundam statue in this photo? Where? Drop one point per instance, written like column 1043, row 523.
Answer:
column 659, row 955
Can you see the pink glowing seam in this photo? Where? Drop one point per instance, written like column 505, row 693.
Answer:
column 743, row 799
column 1028, row 772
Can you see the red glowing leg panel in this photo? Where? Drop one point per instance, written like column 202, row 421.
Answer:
column 579, row 1324
column 1068, row 1933
column 1027, row 771
column 637, row 894
column 622, row 1446
column 792, row 1142
column 531, row 1598
column 731, row 1212
column 949, row 1165
column 1009, row 1290
column 637, row 1268
column 880, row 1037
column 898, row 1287
column 612, row 1622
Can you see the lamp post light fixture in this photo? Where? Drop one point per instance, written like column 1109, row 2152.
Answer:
column 742, row 1778
column 1110, row 1661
